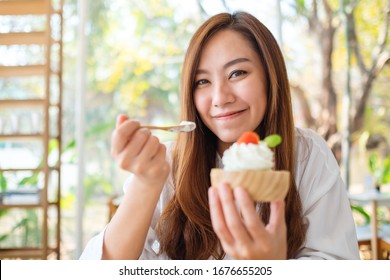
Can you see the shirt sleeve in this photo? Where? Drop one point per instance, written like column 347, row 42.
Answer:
column 326, row 210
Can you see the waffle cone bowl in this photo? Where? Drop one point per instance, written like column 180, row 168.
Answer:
column 261, row 185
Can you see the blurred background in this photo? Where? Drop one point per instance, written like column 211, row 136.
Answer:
column 68, row 68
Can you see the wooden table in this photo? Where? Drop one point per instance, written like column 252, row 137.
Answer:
column 374, row 199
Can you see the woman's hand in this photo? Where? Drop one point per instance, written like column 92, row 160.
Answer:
column 139, row 152
column 242, row 233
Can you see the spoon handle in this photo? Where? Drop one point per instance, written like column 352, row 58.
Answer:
column 167, row 128
column 184, row 126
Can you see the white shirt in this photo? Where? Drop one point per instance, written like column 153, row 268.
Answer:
column 331, row 230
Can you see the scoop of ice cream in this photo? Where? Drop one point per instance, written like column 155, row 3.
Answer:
column 187, row 126
column 248, row 157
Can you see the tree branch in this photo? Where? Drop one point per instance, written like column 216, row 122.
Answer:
column 312, row 18
column 358, row 119
column 305, row 107
column 382, row 40
column 383, row 59
column 354, row 43
column 379, row 59
column 328, row 9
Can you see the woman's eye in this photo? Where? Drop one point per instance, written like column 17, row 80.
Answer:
column 237, row 73
column 201, row 82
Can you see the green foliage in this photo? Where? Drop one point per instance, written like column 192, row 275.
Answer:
column 369, row 21
column 32, row 180
column 68, row 201
column 360, row 210
column 28, row 228
column 3, row 188
column 301, row 7
column 368, row 15
column 3, row 182
column 138, row 59
column 28, row 224
column 379, row 168
column 99, row 129
column 94, row 185
column 29, row 181
column 375, row 121
column 70, row 145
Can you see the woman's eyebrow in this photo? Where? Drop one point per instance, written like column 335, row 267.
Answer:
column 227, row 65
column 235, row 61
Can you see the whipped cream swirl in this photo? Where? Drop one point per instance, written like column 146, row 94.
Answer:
column 248, row 157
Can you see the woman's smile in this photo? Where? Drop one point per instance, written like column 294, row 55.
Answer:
column 230, row 115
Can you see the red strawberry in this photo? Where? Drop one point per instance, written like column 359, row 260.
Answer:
column 249, row 137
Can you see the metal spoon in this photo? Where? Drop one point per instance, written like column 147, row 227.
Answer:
column 184, row 126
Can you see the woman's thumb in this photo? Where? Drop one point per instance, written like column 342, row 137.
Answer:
column 277, row 213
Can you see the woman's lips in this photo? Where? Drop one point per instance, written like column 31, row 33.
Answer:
column 228, row 115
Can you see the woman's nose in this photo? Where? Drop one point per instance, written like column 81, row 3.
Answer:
column 222, row 95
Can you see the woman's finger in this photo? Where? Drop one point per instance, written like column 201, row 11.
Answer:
column 218, row 218
column 251, row 218
column 160, row 164
column 122, row 134
column 277, row 217
column 127, row 158
column 231, row 214
column 150, row 149
column 121, row 119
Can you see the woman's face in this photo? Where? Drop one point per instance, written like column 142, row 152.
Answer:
column 230, row 87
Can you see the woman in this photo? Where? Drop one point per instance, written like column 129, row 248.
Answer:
column 233, row 80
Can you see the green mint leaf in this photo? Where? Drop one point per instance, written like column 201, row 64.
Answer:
column 273, row 140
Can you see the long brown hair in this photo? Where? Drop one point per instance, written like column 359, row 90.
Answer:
column 185, row 230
